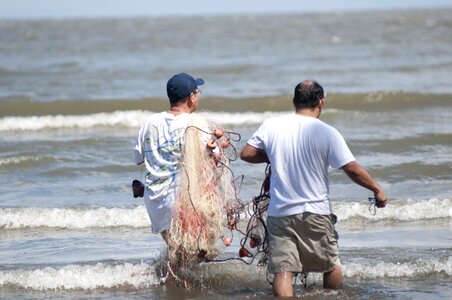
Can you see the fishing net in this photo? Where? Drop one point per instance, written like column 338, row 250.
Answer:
column 254, row 240
column 208, row 210
column 206, row 192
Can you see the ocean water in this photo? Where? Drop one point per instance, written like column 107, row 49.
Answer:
column 74, row 92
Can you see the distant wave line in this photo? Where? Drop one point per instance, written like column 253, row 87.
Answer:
column 133, row 119
column 384, row 101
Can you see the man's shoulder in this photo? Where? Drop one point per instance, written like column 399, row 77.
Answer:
column 324, row 125
column 156, row 116
column 153, row 120
column 277, row 119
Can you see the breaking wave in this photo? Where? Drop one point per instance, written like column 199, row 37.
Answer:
column 114, row 275
column 136, row 217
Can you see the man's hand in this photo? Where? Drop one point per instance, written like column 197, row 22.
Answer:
column 359, row 175
column 381, row 199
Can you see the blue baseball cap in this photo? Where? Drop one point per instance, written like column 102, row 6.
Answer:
column 181, row 85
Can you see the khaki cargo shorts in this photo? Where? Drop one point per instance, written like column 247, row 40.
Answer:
column 304, row 243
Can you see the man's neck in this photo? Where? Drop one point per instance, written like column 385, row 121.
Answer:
column 177, row 110
column 314, row 113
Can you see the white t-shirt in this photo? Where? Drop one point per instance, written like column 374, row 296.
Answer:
column 159, row 145
column 300, row 150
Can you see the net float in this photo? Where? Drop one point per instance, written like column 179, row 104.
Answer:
column 227, row 241
column 254, row 243
column 243, row 252
column 211, row 144
column 218, row 133
column 231, row 223
column 224, row 143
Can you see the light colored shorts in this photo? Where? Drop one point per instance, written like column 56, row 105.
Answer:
column 302, row 243
column 160, row 211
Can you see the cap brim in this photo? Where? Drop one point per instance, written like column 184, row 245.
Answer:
column 199, row 81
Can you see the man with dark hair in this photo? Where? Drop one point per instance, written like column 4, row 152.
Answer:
column 300, row 148
column 159, row 146
column 307, row 95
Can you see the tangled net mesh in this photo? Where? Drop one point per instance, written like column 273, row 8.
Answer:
column 208, row 210
column 206, row 187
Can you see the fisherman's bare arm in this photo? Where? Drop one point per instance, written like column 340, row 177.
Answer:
column 253, row 155
column 360, row 176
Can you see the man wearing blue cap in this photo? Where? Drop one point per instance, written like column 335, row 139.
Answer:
column 159, row 146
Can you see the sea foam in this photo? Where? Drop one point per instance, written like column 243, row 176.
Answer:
column 136, row 217
column 142, row 275
column 73, row 218
column 400, row 210
column 82, row 277
column 414, row 268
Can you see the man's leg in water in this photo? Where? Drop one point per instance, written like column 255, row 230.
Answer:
column 282, row 284
column 333, row 279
